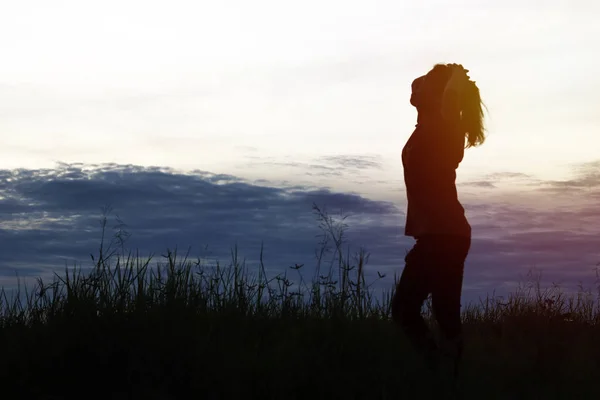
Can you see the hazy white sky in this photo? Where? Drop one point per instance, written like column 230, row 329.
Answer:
column 215, row 85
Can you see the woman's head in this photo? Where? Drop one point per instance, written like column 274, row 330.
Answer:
column 427, row 90
column 427, row 94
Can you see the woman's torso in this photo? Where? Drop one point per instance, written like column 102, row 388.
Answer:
column 430, row 158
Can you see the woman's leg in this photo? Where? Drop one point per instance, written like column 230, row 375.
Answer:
column 450, row 253
column 411, row 291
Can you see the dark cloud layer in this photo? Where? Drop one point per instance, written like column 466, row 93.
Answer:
column 50, row 217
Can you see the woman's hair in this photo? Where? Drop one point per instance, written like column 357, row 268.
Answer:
column 472, row 115
column 428, row 95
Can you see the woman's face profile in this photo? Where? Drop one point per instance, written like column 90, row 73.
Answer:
column 416, row 90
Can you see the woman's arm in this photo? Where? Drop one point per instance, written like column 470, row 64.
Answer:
column 451, row 106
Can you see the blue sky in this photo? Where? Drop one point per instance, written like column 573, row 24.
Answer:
column 306, row 95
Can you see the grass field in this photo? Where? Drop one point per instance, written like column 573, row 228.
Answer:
column 127, row 330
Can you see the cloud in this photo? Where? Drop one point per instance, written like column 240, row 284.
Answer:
column 586, row 176
column 326, row 166
column 496, row 179
column 308, row 168
column 353, row 162
column 507, row 175
column 51, row 217
column 479, row 184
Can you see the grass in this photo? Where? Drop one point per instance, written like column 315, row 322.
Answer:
column 125, row 330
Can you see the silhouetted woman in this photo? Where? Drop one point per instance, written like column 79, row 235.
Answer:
column 450, row 115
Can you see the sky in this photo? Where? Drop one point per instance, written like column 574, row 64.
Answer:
column 207, row 124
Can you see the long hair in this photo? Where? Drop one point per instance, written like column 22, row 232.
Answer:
column 472, row 115
column 427, row 94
